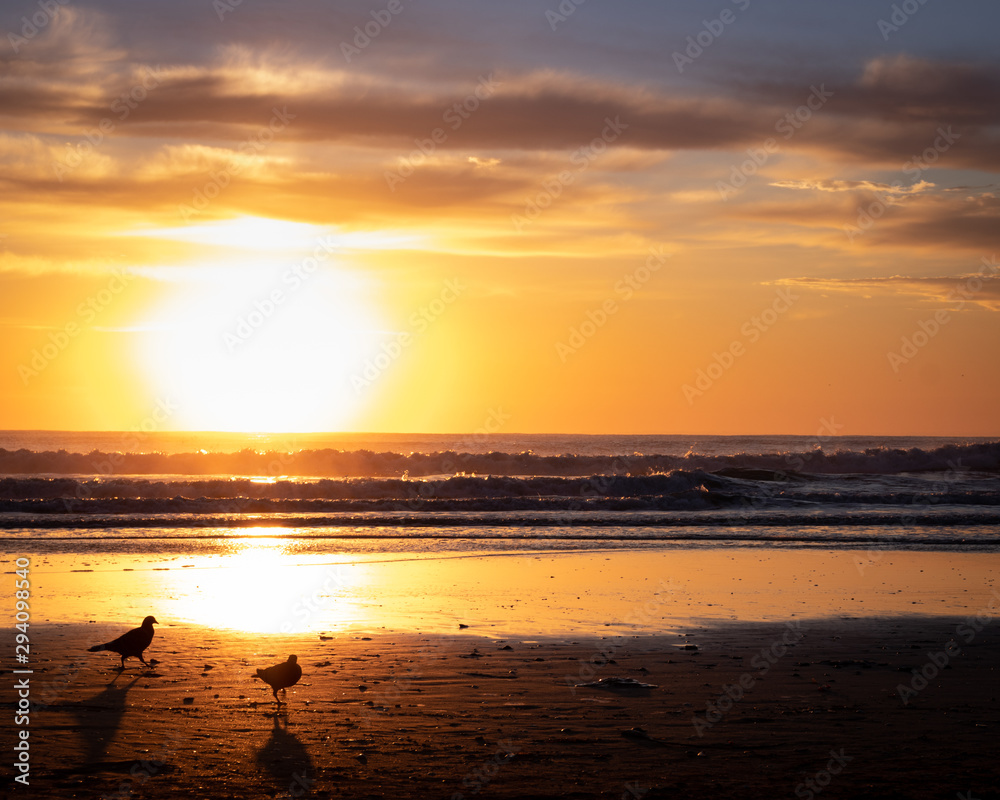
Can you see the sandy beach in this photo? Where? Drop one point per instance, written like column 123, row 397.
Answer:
column 736, row 710
column 849, row 705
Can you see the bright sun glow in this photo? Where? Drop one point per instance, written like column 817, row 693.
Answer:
column 260, row 233
column 263, row 590
column 261, row 343
column 251, row 233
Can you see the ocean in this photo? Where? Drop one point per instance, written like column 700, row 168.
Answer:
column 158, row 492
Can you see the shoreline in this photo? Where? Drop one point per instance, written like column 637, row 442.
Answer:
column 269, row 585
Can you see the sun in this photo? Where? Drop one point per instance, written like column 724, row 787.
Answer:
column 263, row 338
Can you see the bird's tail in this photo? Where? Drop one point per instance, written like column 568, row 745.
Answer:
column 97, row 648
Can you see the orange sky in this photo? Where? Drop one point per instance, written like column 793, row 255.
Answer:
column 242, row 224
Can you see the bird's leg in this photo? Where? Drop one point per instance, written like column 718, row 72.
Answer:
column 122, row 667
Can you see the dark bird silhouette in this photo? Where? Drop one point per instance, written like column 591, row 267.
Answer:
column 131, row 644
column 281, row 676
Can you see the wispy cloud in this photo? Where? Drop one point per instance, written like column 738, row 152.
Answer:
column 854, row 186
column 980, row 289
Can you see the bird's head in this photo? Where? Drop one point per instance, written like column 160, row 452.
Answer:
column 292, row 659
column 149, row 621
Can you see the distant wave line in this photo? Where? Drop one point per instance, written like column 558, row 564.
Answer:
column 341, row 464
column 657, row 537
column 758, row 519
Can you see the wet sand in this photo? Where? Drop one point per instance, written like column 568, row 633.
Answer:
column 735, row 710
column 818, row 701
column 267, row 585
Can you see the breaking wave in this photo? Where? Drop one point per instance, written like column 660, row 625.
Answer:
column 945, row 494
column 983, row 457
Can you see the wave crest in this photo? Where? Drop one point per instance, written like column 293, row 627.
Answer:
column 983, row 457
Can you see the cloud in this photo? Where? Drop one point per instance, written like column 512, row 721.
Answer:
column 853, row 186
column 904, row 87
column 488, row 164
column 77, row 42
column 889, row 114
column 217, row 84
column 193, row 161
column 957, row 292
column 850, row 215
column 946, row 220
column 31, row 159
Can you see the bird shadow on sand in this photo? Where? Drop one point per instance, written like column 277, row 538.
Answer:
column 285, row 759
column 97, row 720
